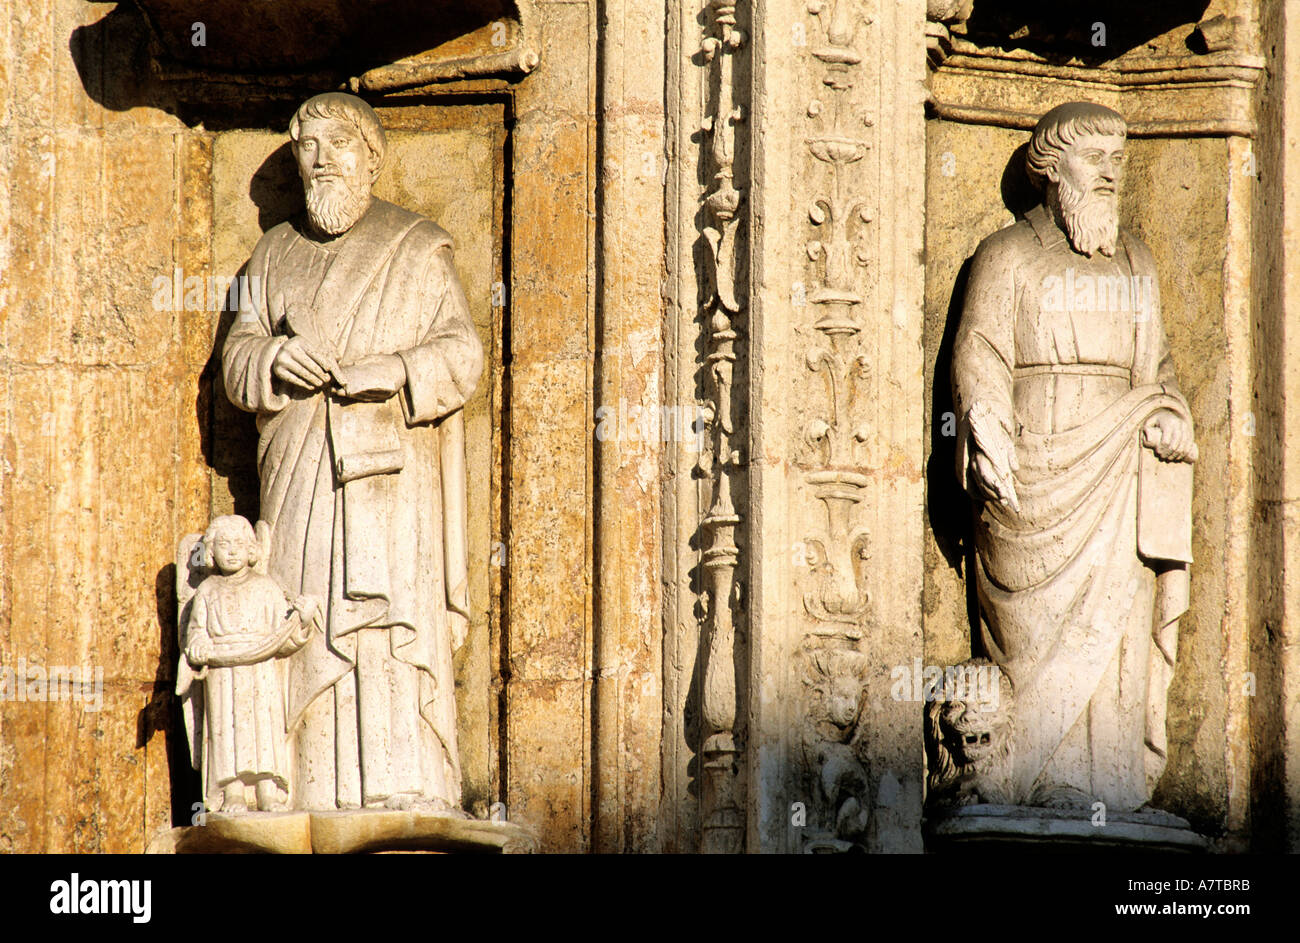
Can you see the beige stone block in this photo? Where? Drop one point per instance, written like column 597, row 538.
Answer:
column 8, row 293
column 551, row 233
column 69, row 92
column 547, row 761
column 548, row 560
column 6, row 75
column 29, row 560
column 28, row 317
column 560, row 85
column 23, row 755
column 140, row 224
column 134, row 571
column 76, row 569
column 80, row 247
column 7, row 470
column 33, row 53
column 194, row 244
column 192, row 407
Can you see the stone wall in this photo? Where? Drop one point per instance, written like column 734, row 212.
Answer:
column 101, row 406
column 751, row 221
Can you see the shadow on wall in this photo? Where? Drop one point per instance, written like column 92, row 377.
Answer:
column 229, row 435
column 1068, row 30
column 947, row 505
column 115, row 61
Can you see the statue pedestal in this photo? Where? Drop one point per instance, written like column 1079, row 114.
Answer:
column 344, row 832
column 1022, row 828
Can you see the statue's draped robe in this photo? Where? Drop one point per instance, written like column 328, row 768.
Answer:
column 243, row 730
column 1082, row 622
column 366, row 501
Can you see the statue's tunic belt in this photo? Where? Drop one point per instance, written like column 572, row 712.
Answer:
column 1073, row 369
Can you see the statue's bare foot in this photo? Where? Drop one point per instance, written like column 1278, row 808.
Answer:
column 270, row 797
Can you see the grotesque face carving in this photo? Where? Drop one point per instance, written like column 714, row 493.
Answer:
column 836, row 681
column 968, row 743
column 972, row 734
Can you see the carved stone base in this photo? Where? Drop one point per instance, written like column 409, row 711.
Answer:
column 1018, row 828
column 344, row 832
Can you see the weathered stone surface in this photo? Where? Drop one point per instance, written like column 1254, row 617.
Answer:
column 341, row 833
column 586, row 186
column 276, row 833
column 1018, row 829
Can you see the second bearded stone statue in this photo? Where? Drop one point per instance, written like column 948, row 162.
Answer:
column 1076, row 446
column 357, row 353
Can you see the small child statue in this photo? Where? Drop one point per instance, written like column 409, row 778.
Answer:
column 236, row 629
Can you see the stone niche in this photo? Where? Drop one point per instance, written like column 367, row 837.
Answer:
column 1187, row 77
column 444, row 162
column 449, row 137
column 166, row 157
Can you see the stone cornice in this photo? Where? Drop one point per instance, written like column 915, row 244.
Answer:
column 1163, row 96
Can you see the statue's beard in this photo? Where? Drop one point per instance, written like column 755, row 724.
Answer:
column 334, row 204
column 1090, row 218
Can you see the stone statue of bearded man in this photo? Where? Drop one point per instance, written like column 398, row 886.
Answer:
column 1075, row 444
column 357, row 352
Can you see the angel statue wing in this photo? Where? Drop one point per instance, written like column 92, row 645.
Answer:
column 263, row 531
column 191, row 570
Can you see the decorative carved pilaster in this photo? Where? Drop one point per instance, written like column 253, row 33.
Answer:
column 834, row 433
column 722, row 808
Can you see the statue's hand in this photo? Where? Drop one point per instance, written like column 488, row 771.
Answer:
column 1169, row 435
column 198, row 651
column 307, row 607
column 300, row 364
column 993, row 461
column 995, row 486
column 372, row 379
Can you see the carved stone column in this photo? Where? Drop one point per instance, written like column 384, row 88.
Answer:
column 796, row 285
column 837, row 433
column 722, row 816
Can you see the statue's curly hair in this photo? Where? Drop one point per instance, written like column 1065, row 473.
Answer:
column 1061, row 127
column 343, row 107
column 232, row 525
